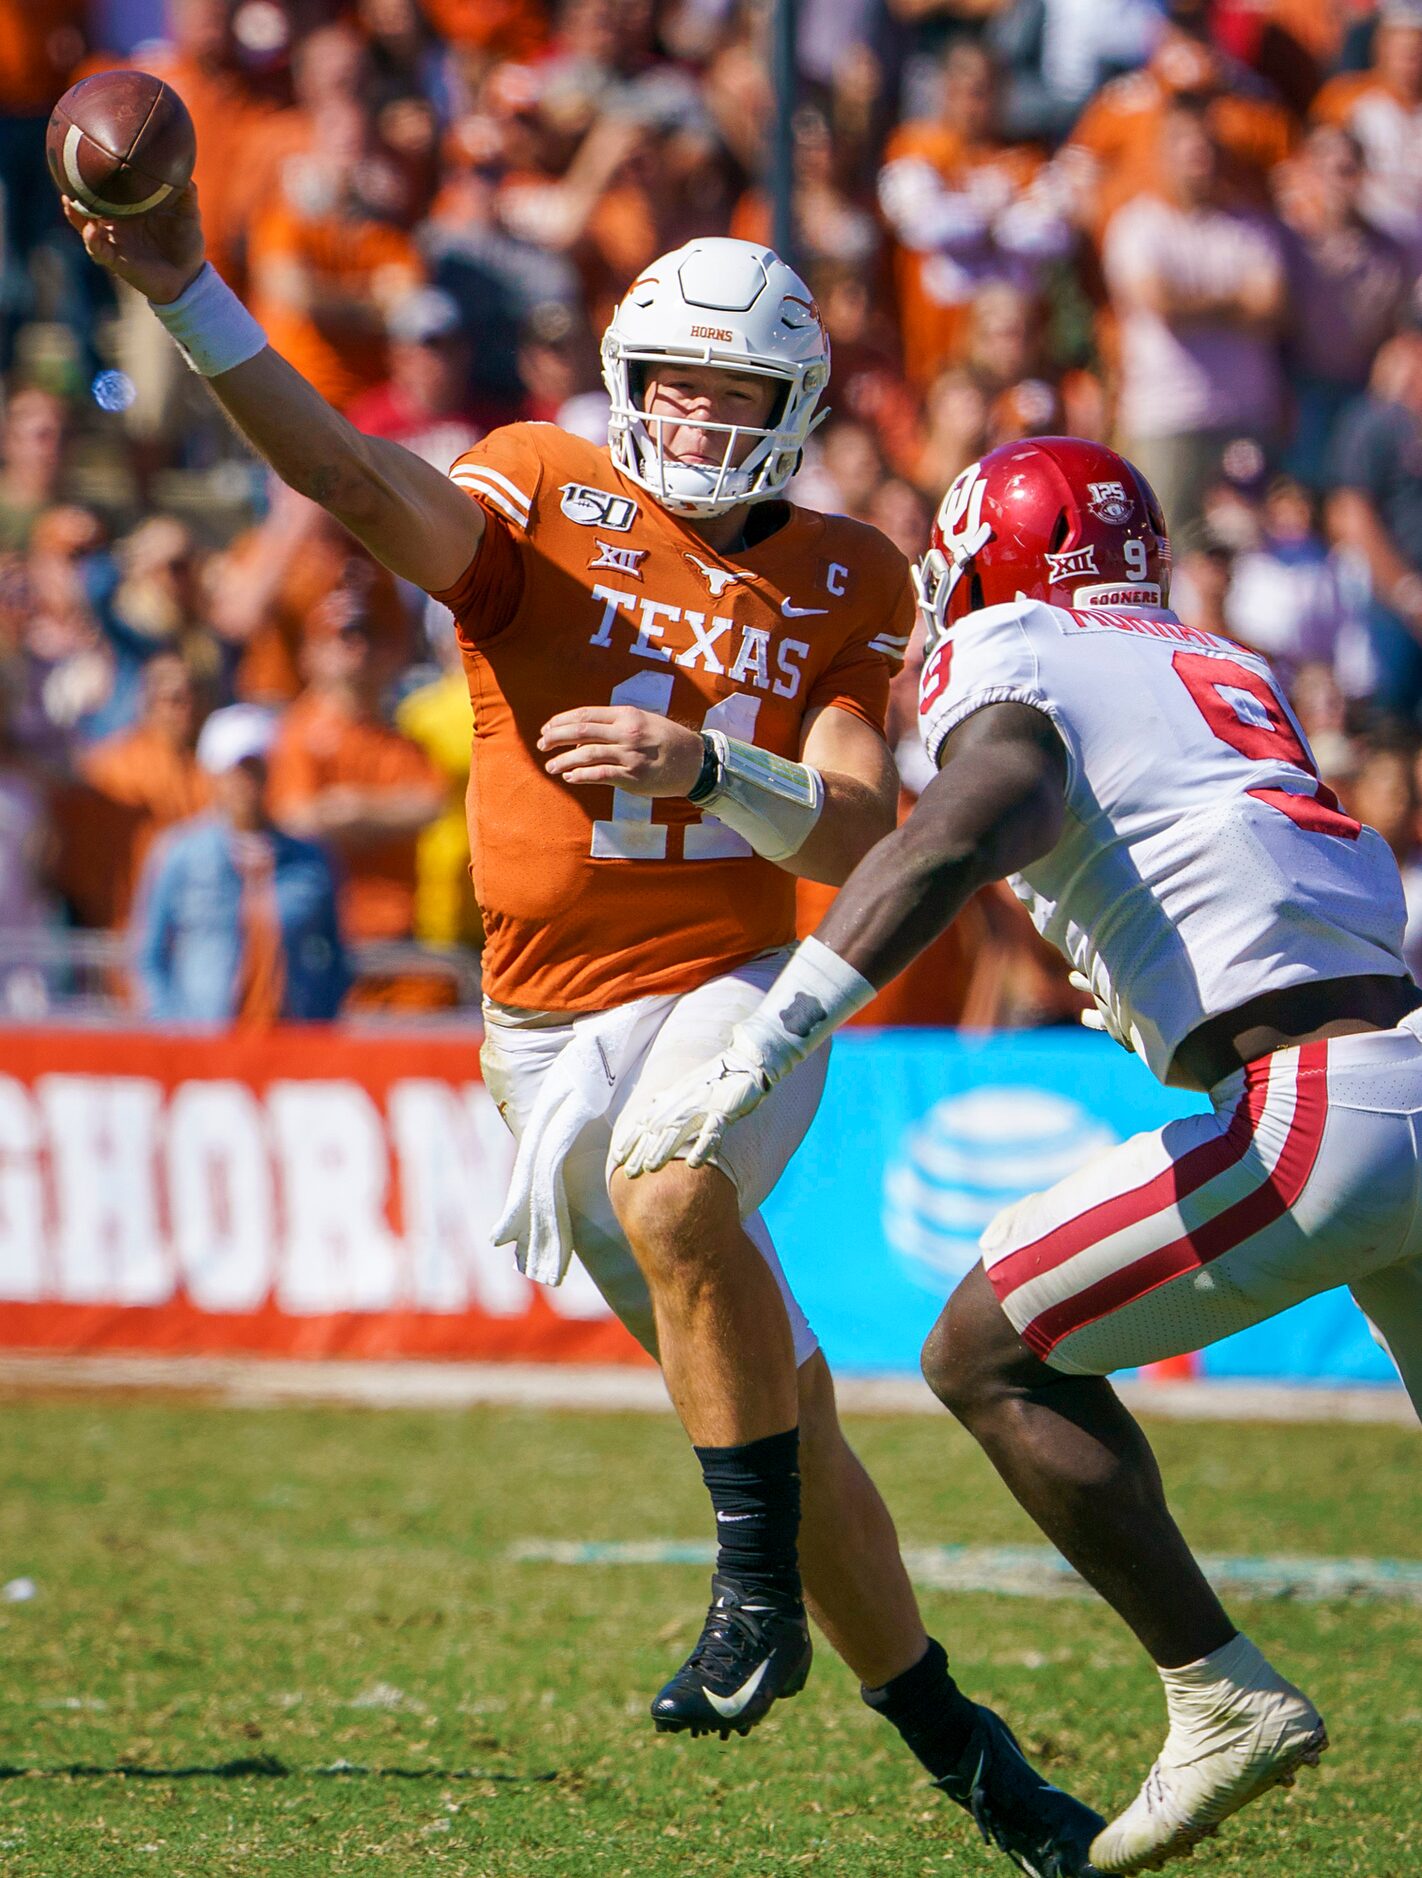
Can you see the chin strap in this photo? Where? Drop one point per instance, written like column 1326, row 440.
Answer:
column 769, row 801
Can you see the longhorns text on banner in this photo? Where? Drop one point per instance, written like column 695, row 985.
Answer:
column 137, row 1208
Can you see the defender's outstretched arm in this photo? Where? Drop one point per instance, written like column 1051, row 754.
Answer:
column 996, row 805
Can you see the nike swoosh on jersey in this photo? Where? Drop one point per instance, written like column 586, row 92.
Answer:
column 800, row 612
column 728, row 1707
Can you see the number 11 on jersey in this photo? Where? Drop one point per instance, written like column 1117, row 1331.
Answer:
column 631, row 834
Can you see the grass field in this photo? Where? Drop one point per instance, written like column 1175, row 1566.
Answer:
column 294, row 1641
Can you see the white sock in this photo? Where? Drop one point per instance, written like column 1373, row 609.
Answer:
column 1238, row 1661
column 1199, row 1696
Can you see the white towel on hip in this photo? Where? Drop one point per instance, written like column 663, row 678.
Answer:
column 577, row 1089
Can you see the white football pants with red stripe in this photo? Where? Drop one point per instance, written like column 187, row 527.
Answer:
column 1307, row 1175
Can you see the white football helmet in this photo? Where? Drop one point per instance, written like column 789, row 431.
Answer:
column 727, row 303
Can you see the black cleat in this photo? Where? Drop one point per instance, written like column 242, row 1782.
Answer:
column 753, row 1650
column 1045, row 1832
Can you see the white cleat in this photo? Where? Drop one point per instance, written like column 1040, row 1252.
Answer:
column 1237, row 1728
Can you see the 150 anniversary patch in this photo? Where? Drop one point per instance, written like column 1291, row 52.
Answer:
column 598, row 508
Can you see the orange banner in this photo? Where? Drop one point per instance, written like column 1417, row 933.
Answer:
column 294, row 1193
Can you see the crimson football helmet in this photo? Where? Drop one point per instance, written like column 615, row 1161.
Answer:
column 1047, row 518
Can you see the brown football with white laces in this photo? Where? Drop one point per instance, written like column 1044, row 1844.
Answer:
column 121, row 143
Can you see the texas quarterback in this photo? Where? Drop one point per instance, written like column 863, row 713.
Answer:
column 678, row 682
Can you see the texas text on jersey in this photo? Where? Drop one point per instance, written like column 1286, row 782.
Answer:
column 585, row 590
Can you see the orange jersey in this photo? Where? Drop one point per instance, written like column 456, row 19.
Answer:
column 319, row 748
column 1120, row 130
column 936, row 289
column 39, row 46
column 585, row 592
column 343, row 255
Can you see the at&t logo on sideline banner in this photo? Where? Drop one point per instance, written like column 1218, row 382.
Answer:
column 966, row 1159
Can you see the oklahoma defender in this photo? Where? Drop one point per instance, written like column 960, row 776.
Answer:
column 1152, row 796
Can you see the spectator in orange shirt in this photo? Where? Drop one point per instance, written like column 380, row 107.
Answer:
column 1114, row 152
column 1382, row 108
column 272, row 580
column 198, row 63
column 142, row 781
column 621, row 199
column 964, row 211
column 327, row 261
column 40, row 44
column 493, row 29
column 341, row 776
column 329, row 66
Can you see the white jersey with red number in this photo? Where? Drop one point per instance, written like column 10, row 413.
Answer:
column 1202, row 862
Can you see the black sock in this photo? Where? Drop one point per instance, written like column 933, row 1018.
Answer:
column 929, row 1710
column 755, row 1489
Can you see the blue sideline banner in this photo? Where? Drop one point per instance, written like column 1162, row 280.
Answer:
column 923, row 1135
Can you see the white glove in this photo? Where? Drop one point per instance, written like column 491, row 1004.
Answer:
column 699, row 1108
column 1096, row 1016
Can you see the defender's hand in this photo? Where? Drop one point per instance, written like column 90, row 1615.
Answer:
column 697, row 1110
column 631, row 749
column 1095, row 1016
column 159, row 254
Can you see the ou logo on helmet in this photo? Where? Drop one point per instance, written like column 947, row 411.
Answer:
column 959, row 531
column 960, row 514
column 961, row 527
column 969, row 1156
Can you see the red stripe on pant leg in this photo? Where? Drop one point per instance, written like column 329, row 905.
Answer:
column 1268, row 1202
column 1177, row 1182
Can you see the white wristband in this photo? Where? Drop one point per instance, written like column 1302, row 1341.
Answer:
column 816, row 993
column 770, row 801
column 214, row 331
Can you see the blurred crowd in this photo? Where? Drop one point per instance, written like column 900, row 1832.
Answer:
column 1192, row 228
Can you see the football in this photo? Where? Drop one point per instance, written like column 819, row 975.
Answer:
column 120, row 143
